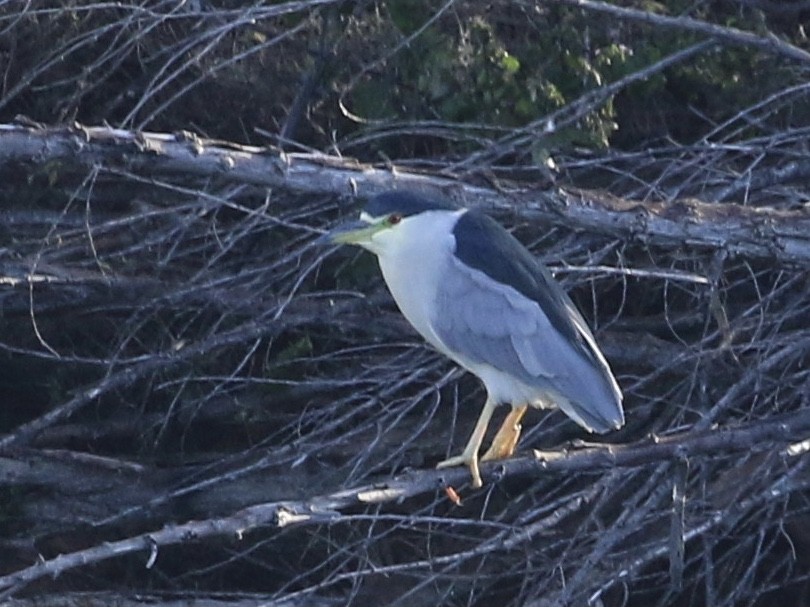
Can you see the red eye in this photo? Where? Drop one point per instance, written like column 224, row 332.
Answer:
column 394, row 219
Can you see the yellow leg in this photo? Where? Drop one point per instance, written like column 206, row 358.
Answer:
column 469, row 457
column 505, row 441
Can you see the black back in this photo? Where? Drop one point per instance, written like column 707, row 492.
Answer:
column 405, row 204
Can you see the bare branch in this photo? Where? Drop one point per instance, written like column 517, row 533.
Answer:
column 774, row 434
column 770, row 44
column 751, row 232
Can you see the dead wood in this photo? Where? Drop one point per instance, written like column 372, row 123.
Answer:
column 752, row 232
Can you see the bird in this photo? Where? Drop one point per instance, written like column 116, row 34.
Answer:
column 480, row 297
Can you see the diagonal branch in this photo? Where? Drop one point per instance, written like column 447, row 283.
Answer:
column 770, row 44
column 780, row 434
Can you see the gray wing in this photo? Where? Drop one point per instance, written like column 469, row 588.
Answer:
column 491, row 323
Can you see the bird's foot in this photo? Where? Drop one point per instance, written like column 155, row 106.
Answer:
column 503, row 448
column 504, row 443
column 465, row 459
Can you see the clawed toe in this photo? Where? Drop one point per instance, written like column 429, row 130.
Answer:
column 469, row 460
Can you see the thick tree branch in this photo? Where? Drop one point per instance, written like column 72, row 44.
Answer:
column 780, row 434
column 762, row 233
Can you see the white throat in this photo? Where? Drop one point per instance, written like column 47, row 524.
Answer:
column 413, row 257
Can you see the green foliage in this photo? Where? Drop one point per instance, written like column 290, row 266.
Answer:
column 505, row 66
column 474, row 70
column 500, row 65
column 483, row 67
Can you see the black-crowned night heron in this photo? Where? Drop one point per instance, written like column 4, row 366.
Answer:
column 482, row 299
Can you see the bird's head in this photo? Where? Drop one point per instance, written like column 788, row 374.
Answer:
column 385, row 220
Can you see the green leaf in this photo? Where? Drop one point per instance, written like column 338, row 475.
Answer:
column 510, row 63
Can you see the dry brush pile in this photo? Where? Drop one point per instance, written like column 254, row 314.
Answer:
column 200, row 403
